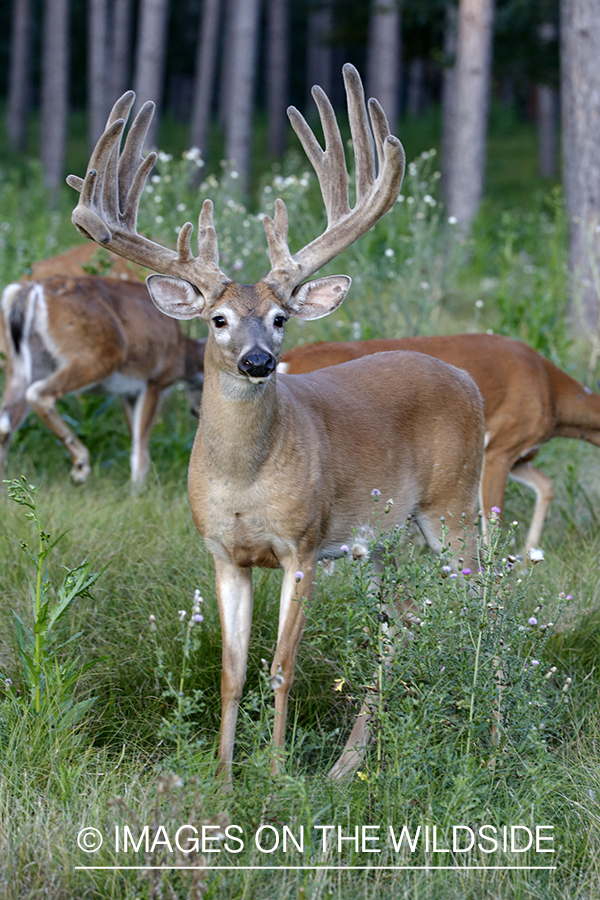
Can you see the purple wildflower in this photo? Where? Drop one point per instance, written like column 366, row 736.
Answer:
column 533, row 620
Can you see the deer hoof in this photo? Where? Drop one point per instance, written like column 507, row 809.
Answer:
column 80, row 471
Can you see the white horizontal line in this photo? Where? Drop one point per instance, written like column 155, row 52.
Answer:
column 337, row 868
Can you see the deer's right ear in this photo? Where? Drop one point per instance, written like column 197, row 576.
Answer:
column 175, row 297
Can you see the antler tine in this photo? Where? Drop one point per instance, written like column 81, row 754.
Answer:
column 131, row 157
column 329, row 164
column 381, row 128
column 89, row 214
column 374, row 195
column 362, row 139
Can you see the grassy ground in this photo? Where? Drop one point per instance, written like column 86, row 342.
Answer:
column 143, row 754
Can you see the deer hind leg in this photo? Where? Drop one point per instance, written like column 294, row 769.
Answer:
column 140, row 421
column 295, row 594
column 527, row 474
column 43, row 395
column 235, row 599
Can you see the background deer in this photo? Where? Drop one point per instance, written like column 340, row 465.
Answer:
column 68, row 334
column 283, row 468
column 527, row 401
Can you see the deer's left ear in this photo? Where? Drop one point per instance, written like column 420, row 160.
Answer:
column 175, row 297
column 318, row 298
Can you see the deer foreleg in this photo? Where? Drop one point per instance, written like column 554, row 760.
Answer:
column 234, row 596
column 141, row 421
column 296, row 591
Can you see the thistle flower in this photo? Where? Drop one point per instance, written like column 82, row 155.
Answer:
column 446, row 569
column 345, row 548
column 466, row 571
column 359, row 551
column 299, row 576
column 376, row 493
column 536, row 554
column 533, row 621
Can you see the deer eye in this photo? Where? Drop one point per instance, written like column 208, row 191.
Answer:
column 279, row 321
column 219, row 321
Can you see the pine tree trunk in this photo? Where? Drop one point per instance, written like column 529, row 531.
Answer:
column 98, row 70
column 226, row 68
column 206, row 59
column 120, row 49
column 55, row 92
column 415, row 87
column 277, row 74
column 580, row 93
column 150, row 59
column 241, row 106
column 547, row 129
column 448, row 94
column 383, row 56
column 471, row 98
column 19, row 76
column 319, row 55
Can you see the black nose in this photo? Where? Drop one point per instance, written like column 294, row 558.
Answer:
column 257, row 364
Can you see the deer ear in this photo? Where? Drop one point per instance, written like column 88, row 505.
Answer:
column 175, row 297
column 315, row 299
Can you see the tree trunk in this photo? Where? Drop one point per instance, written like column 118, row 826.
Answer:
column 241, row 106
column 416, row 86
column 547, row 129
column 383, row 56
column 473, row 64
column 580, row 92
column 277, row 74
column 19, row 75
column 319, row 55
column 204, row 83
column 120, row 49
column 448, row 94
column 226, row 71
column 55, row 92
column 150, row 59
column 98, row 75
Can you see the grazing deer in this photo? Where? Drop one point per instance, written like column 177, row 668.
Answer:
column 283, row 468
column 69, row 334
column 527, row 400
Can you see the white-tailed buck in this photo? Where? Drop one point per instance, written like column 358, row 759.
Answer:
column 283, row 468
column 65, row 334
column 527, row 400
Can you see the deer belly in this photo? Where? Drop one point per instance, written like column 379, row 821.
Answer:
column 123, row 385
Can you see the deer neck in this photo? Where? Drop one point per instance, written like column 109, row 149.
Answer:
column 239, row 424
